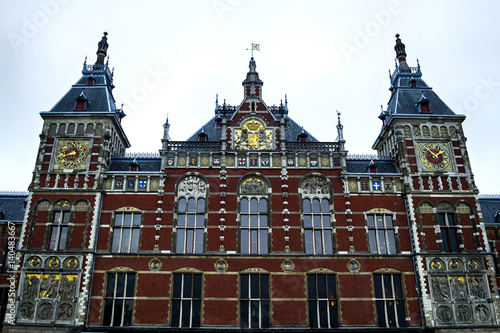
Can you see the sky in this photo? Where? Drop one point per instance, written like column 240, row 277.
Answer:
column 171, row 58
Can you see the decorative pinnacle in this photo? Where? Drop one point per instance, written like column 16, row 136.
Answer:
column 102, row 48
column 340, row 131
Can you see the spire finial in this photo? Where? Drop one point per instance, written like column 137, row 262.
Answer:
column 216, row 102
column 340, row 128
column 166, row 128
column 400, row 52
column 102, row 49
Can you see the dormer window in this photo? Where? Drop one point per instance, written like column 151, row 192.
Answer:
column 90, row 81
column 134, row 167
column 202, row 137
column 413, row 83
column 372, row 169
column 81, row 104
column 424, row 107
column 218, row 122
column 302, row 137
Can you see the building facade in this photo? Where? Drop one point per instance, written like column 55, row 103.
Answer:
column 252, row 222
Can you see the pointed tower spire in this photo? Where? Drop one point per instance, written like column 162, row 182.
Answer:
column 340, row 128
column 102, row 48
column 166, row 129
column 252, row 84
column 400, row 52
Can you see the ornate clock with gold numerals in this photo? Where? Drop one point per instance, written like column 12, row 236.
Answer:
column 434, row 156
column 71, row 154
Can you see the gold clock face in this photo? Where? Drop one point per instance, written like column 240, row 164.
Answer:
column 434, row 156
column 72, row 154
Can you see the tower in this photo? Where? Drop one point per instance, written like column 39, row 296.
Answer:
column 79, row 136
column 427, row 141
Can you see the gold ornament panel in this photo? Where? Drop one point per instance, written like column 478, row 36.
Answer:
column 253, row 136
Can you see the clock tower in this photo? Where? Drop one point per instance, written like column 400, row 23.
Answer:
column 80, row 134
column 427, row 141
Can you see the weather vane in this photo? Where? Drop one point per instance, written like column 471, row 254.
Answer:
column 254, row 47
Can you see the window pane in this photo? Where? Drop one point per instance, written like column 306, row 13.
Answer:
column 255, row 316
column 196, row 314
column 369, row 221
column 135, row 240
column 127, row 219
column 387, row 285
column 177, row 285
column 254, row 220
column 188, row 283
column 110, row 288
column 315, row 206
column 326, row 221
column 381, row 313
column 379, row 220
column 311, row 286
column 125, row 240
column 65, row 217
column 321, row 279
column 328, row 241
column 306, row 205
column 264, row 286
column 253, row 241
column 307, row 221
column 263, row 220
column 176, row 313
column 191, row 205
column 454, row 240
column 244, row 205
column 115, row 247
column 244, row 286
column 331, row 286
column 190, row 220
column 117, row 316
column 254, row 286
column 253, row 205
column 397, row 286
column 182, row 205
column 199, row 241
column 334, row 318
column 180, row 241
column 263, row 206
column 200, row 220
column 181, row 220
column 53, row 238
column 244, row 220
column 108, row 310
column 400, row 314
column 186, row 313
column 137, row 219
column 201, row 205
column 318, row 242
column 189, row 240
column 377, row 283
column 313, row 314
column 381, row 242
column 245, row 247
column 325, row 206
column 263, row 241
column 265, row 314
column 317, row 221
column 308, row 236
column 57, row 217
column 120, row 284
column 441, row 219
column 130, row 285
column 373, row 241
column 446, row 243
column 388, row 221
column 197, row 286
column 391, row 239
column 244, row 314
column 451, row 220
column 323, row 306
column 118, row 219
column 391, row 316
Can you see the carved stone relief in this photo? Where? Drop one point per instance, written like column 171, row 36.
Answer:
column 192, row 185
column 253, row 185
column 315, row 185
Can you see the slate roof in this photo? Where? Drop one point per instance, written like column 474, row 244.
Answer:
column 12, row 206
column 357, row 166
column 490, row 206
column 146, row 164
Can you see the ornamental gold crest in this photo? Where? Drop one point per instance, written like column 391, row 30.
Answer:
column 253, row 136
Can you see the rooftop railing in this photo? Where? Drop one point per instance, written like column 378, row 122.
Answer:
column 415, row 71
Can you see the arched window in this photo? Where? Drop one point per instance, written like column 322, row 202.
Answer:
column 448, row 225
column 316, row 216
column 190, row 217
column 254, row 213
column 58, row 227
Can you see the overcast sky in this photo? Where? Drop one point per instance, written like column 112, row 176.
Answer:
column 172, row 57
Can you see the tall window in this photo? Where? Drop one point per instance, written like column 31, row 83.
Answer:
column 126, row 232
column 254, row 216
column 322, row 301
column 381, row 233
column 253, row 225
column 254, row 301
column 317, row 226
column 449, row 233
column 119, row 299
column 59, row 230
column 191, row 208
column 389, row 300
column 190, row 225
column 186, row 300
